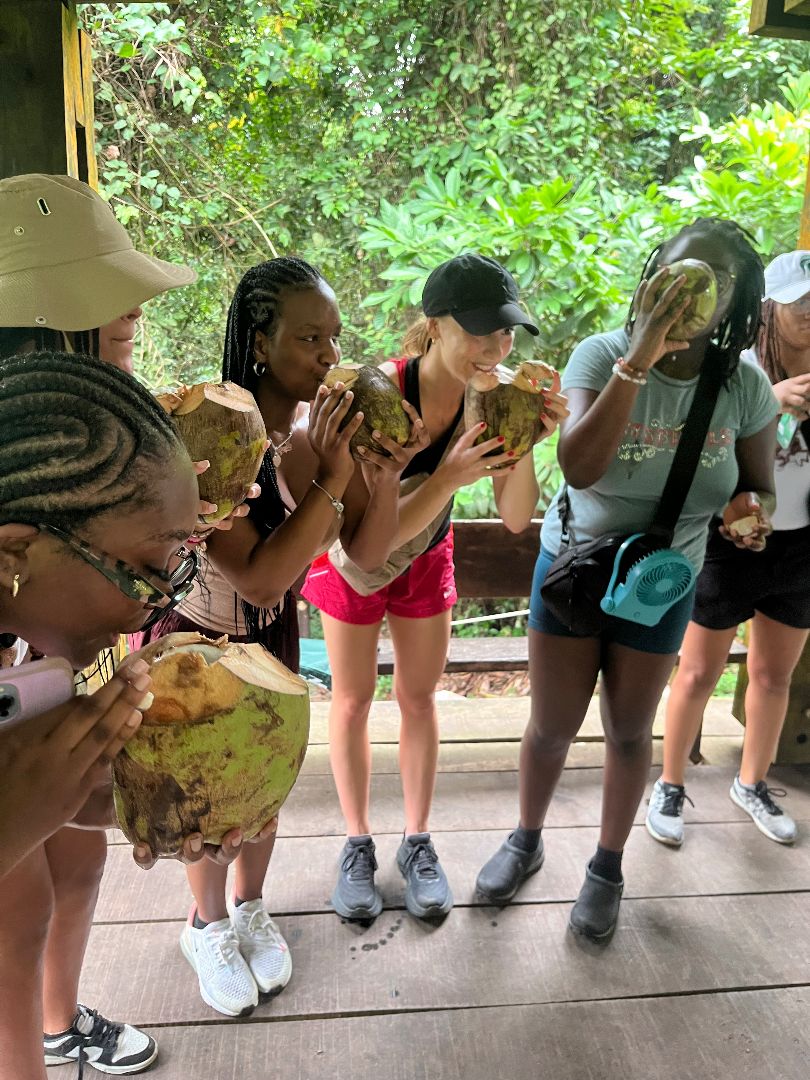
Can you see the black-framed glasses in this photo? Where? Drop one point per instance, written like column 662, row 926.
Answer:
column 158, row 592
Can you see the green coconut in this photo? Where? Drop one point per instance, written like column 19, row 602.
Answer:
column 511, row 404
column 223, row 737
column 220, row 423
column 701, row 287
column 380, row 402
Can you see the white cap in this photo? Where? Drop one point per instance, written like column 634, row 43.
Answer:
column 787, row 278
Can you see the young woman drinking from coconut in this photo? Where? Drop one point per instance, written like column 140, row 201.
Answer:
column 96, row 497
column 471, row 309
column 772, row 589
column 281, row 340
column 67, row 267
column 630, row 392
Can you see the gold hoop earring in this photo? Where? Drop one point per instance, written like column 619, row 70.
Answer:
column 259, row 369
column 15, row 586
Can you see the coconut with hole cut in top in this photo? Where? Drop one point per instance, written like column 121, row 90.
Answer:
column 701, row 288
column 220, row 423
column 380, row 402
column 511, row 404
column 220, row 745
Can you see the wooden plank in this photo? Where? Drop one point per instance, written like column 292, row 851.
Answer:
column 768, row 19
column 488, row 801
column 503, row 719
column 502, row 756
column 32, row 116
column 301, row 875
column 797, row 7
column 521, row 956
column 492, row 562
column 497, row 654
column 719, row 1036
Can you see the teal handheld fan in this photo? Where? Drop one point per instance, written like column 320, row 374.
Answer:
column 651, row 586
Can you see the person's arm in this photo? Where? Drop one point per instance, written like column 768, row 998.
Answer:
column 372, row 497
column 260, row 570
column 755, row 495
column 591, row 435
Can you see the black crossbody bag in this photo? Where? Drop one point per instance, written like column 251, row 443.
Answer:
column 575, row 589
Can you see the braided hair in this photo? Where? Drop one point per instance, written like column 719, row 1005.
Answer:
column 738, row 328
column 769, row 352
column 75, row 437
column 256, row 306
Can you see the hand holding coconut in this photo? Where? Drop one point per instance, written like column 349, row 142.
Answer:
column 330, row 434
column 659, row 305
column 746, row 522
column 794, row 396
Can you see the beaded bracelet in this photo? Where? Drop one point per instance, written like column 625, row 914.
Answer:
column 623, row 370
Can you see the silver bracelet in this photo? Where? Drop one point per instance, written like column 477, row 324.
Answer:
column 620, row 370
column 338, row 505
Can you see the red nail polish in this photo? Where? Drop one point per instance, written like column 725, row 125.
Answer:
column 501, row 438
column 511, row 453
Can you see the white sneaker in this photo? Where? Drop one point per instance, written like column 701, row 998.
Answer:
column 107, row 1046
column 226, row 983
column 262, row 945
column 757, row 801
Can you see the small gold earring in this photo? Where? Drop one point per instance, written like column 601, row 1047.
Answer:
column 15, row 586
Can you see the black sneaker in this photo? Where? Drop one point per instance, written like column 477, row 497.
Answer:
column 596, row 911
column 108, row 1047
column 356, row 896
column 500, row 878
column 427, row 893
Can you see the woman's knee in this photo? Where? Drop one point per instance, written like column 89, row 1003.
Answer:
column 768, row 678
column 547, row 738
column 696, row 680
column 629, row 740
column 26, row 908
column 351, row 707
column 81, row 874
column 416, row 702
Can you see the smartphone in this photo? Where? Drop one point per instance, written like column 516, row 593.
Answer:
column 31, row 689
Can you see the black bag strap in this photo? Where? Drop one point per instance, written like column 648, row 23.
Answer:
column 690, row 446
column 684, row 463
column 805, row 430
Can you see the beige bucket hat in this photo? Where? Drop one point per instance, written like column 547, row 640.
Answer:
column 66, row 262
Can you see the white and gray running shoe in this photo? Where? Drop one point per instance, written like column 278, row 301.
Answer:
column 226, row 981
column 262, row 945
column 119, row 1049
column 757, row 802
column 665, row 813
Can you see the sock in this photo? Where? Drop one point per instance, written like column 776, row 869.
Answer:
column 607, row 864
column 198, row 924
column 238, row 900
column 527, row 840
column 746, row 787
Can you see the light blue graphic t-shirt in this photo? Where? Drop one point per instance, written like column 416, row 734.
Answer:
column 625, row 498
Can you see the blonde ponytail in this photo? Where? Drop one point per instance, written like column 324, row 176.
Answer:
column 417, row 339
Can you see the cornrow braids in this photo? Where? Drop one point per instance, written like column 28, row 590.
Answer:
column 738, row 329
column 74, row 433
column 768, row 350
column 256, row 305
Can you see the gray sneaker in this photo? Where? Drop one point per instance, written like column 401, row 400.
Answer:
column 500, row 878
column 665, row 813
column 427, row 893
column 757, row 801
column 356, row 896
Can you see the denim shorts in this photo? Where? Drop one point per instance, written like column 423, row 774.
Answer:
column 664, row 638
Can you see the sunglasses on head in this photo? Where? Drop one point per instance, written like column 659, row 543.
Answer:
column 156, row 592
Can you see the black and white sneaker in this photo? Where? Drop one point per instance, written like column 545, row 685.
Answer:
column 108, row 1047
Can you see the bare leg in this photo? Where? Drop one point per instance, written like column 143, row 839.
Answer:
column 353, row 659
column 703, row 657
column 563, row 674
column 632, row 684
column 773, row 653
column 208, row 883
column 251, row 868
column 420, row 647
column 26, row 906
column 76, row 859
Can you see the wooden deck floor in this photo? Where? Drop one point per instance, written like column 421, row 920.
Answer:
column 708, row 975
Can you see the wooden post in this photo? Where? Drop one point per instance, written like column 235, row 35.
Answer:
column 46, row 91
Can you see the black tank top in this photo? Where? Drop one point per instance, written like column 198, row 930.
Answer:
column 427, row 460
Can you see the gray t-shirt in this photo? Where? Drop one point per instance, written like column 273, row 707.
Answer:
column 625, row 498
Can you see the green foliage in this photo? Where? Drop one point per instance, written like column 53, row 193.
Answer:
column 376, row 138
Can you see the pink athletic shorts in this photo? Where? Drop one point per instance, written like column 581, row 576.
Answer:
column 425, row 589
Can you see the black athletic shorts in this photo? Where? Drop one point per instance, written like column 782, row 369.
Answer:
column 734, row 584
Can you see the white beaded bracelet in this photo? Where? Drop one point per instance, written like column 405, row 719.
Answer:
column 621, row 369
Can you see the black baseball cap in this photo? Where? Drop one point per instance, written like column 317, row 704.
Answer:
column 478, row 292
